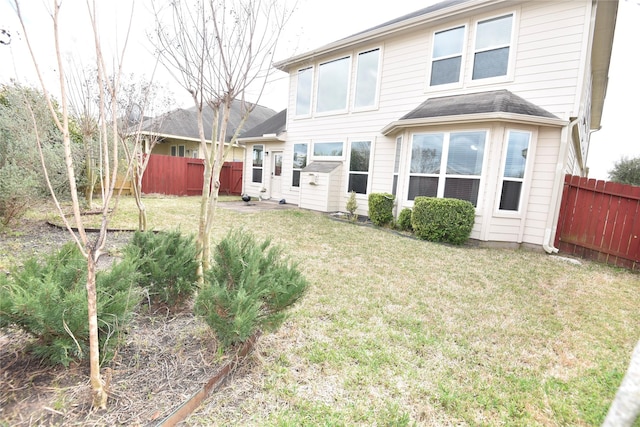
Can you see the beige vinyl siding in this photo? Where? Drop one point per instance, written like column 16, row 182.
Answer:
column 550, row 52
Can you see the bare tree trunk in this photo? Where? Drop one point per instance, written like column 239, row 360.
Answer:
column 98, row 393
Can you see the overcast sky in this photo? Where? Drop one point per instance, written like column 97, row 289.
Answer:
column 314, row 24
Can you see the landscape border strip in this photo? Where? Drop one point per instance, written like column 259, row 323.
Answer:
column 187, row 408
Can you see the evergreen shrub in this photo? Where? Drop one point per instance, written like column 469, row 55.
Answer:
column 48, row 300
column 442, row 220
column 167, row 265
column 404, row 220
column 248, row 288
column 381, row 208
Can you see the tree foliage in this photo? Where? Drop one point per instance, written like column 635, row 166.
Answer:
column 626, row 171
column 22, row 180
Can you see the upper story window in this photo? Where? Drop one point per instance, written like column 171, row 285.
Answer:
column 492, row 45
column 299, row 162
column 367, row 79
column 258, row 157
column 447, row 165
column 515, row 164
column 333, row 85
column 303, row 92
column 446, row 64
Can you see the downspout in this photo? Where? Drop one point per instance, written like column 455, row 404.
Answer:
column 554, row 208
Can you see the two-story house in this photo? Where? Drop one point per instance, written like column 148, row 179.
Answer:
column 490, row 101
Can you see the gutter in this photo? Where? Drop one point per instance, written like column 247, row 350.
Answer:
column 549, row 232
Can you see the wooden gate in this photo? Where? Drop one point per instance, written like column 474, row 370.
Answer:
column 600, row 220
column 183, row 176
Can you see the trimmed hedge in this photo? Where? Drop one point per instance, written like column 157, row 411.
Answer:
column 381, row 208
column 404, row 220
column 442, row 220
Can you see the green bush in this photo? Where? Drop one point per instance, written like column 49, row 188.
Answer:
column 381, row 208
column 48, row 300
column 248, row 288
column 404, row 220
column 167, row 265
column 442, row 220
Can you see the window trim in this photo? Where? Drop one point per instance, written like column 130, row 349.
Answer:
column 397, row 166
column 313, row 157
column 293, row 168
column 463, row 58
column 176, row 148
column 311, row 93
column 376, row 100
column 367, row 173
column 261, row 167
column 316, row 89
column 443, row 175
column 524, row 192
column 509, row 76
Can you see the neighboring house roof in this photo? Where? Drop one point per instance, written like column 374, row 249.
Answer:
column 498, row 104
column 183, row 123
column 270, row 128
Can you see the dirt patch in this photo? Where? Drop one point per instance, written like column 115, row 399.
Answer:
column 163, row 360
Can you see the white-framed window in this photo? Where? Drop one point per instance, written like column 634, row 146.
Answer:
column 359, row 160
column 177, row 150
column 257, row 164
column 447, row 164
column 333, row 85
column 300, row 154
column 514, row 168
column 328, row 150
column 304, row 89
column 396, row 165
column 366, row 93
column 492, row 47
column 447, row 55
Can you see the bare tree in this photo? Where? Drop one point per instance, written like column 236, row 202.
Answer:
column 218, row 50
column 137, row 99
column 91, row 248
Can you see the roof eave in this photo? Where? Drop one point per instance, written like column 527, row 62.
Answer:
column 264, row 138
column 387, row 30
column 472, row 118
column 601, row 57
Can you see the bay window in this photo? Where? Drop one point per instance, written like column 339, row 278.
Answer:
column 515, row 163
column 447, row 165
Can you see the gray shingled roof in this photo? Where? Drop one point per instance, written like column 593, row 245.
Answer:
column 498, row 101
column 274, row 125
column 321, row 167
column 424, row 11
column 183, row 123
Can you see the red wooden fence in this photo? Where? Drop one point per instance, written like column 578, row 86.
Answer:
column 183, row 176
column 600, row 220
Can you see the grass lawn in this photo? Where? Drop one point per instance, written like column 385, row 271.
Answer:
column 396, row 331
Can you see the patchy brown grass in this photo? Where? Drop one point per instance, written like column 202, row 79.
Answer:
column 394, row 331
